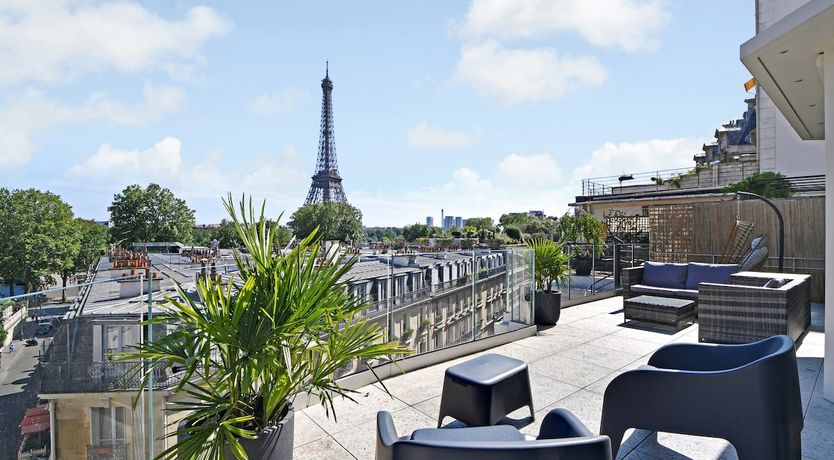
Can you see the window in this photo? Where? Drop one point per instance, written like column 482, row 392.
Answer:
column 108, row 425
column 118, row 338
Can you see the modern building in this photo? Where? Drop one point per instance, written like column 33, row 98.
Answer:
column 792, row 59
column 430, row 221
column 448, row 222
column 536, row 214
column 459, row 222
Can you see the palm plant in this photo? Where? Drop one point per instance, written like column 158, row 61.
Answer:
column 281, row 328
column 551, row 263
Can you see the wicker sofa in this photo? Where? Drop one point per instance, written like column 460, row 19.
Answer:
column 678, row 281
column 744, row 311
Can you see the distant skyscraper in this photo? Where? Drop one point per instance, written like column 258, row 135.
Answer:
column 430, row 221
column 327, row 184
column 459, row 222
column 448, row 222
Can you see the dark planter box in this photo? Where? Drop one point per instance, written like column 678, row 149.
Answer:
column 582, row 265
column 273, row 443
column 548, row 307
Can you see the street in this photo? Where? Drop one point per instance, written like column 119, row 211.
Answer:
column 16, row 394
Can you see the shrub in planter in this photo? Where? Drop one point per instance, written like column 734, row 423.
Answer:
column 551, row 266
column 284, row 326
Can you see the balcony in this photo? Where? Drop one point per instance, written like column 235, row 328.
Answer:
column 75, row 377
column 570, row 366
column 682, row 182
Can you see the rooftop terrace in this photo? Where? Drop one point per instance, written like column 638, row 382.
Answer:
column 570, row 366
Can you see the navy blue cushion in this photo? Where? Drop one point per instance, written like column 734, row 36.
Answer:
column 709, row 273
column 474, row 434
column 664, row 275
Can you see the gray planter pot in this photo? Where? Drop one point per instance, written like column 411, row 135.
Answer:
column 273, row 443
column 548, row 307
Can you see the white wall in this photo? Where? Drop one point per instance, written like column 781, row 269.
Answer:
column 780, row 148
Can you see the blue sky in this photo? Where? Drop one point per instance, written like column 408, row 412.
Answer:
column 479, row 107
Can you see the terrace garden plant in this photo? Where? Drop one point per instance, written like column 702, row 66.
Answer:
column 551, row 266
column 280, row 328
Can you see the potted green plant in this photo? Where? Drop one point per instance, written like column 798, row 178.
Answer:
column 551, row 266
column 282, row 327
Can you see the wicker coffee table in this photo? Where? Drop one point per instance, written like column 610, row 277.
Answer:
column 660, row 311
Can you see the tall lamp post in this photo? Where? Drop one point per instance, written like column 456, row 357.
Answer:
column 781, row 225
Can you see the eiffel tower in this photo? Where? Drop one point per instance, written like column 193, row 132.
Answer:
column 327, row 184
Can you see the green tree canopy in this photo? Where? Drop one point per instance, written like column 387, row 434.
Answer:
column 226, row 234
column 38, row 237
column 416, row 231
column 518, row 219
column 767, row 184
column 513, row 232
column 582, row 228
column 149, row 214
column 481, row 223
column 336, row 221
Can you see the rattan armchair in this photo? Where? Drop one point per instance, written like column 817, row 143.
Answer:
column 745, row 311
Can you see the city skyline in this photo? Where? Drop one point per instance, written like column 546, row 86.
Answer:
column 438, row 104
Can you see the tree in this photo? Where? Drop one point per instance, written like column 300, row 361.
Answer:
column 226, row 234
column 38, row 237
column 91, row 241
column 513, row 232
column 767, row 184
column 149, row 214
column 335, row 220
column 416, row 231
column 518, row 219
column 481, row 223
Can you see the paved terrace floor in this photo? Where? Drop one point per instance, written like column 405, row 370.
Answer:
column 570, row 366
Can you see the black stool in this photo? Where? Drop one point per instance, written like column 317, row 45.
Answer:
column 481, row 391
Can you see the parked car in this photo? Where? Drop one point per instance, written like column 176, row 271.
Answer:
column 31, row 342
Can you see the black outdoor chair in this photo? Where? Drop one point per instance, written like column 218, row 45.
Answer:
column 747, row 394
column 561, row 437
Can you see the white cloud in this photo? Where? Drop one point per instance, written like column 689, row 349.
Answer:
column 631, row 25
column 423, row 135
column 531, row 171
column 162, row 160
column 59, row 40
column 630, row 157
column 32, row 112
column 205, row 181
column 521, row 183
column 283, row 102
column 522, row 75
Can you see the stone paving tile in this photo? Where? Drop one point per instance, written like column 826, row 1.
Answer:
column 621, row 343
column 360, row 440
column 817, row 440
column 633, row 332
column 416, row 386
column 591, row 324
column 306, row 430
column 569, row 331
column 522, row 352
column 568, row 370
column 369, row 400
column 551, row 343
column 569, row 365
column 592, row 354
column 325, row 448
column 669, row 446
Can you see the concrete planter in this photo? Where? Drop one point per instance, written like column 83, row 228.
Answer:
column 548, row 307
column 273, row 443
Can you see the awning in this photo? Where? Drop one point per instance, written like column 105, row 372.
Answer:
column 35, row 421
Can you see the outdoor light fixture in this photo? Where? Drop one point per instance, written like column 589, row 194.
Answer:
column 625, row 177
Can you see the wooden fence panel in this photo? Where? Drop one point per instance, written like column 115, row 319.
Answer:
column 700, row 232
